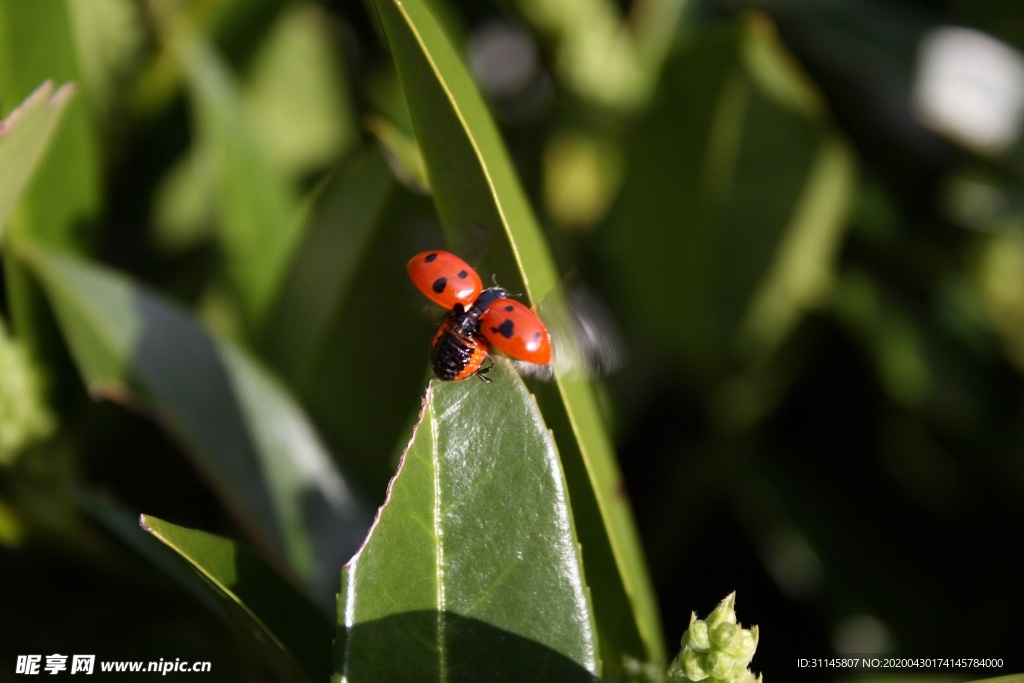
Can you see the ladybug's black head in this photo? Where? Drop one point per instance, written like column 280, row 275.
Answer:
column 489, row 296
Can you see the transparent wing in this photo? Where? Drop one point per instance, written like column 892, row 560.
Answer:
column 584, row 337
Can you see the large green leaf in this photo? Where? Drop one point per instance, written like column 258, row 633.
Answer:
column 472, row 571
column 24, row 136
column 246, row 433
column 284, row 628
column 259, row 217
column 38, row 43
column 477, row 193
column 347, row 270
column 323, row 272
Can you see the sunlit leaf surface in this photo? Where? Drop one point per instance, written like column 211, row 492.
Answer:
column 472, row 571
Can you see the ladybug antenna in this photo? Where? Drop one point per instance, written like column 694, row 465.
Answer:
column 494, row 279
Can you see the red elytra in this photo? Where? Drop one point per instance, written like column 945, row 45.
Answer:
column 516, row 330
column 445, row 279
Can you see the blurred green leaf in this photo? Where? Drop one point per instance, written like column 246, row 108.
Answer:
column 594, row 51
column 734, row 207
column 25, row 416
column 348, row 332
column 892, row 337
column 295, row 91
column 265, row 608
column 403, row 153
column 478, row 195
column 24, row 137
column 801, row 272
column 800, row 275
column 472, row 571
column 322, row 274
column 258, row 215
column 183, row 212
column 246, row 433
column 109, row 36
column 1000, row 276
column 37, row 44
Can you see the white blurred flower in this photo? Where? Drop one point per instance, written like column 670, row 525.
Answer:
column 970, row 87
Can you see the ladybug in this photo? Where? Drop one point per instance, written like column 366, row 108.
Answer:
column 479, row 318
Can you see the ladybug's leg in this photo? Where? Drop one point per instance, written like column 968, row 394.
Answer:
column 481, row 373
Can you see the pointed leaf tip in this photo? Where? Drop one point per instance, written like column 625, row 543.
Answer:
column 473, row 564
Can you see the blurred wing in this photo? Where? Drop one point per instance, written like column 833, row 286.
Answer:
column 585, row 339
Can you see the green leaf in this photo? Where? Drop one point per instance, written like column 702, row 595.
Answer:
column 594, row 52
column 25, row 417
column 108, row 35
column 323, row 272
column 478, row 195
column 474, row 185
column 265, row 607
column 246, row 433
column 37, row 44
column 295, row 91
column 734, row 208
column 472, row 571
column 801, row 270
column 403, row 153
column 259, row 217
column 24, row 137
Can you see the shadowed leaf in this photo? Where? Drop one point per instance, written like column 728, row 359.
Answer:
column 247, row 435
column 265, row 608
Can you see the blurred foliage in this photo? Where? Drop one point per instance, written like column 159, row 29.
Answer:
column 814, row 253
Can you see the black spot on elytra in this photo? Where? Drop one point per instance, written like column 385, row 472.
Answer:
column 463, row 274
column 430, row 258
column 510, row 308
column 536, row 335
column 439, row 284
column 505, row 329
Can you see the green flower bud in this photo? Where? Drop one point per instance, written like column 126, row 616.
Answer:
column 723, row 636
column 640, row 671
column 696, row 636
column 694, row 666
column 725, row 613
column 716, row 650
column 720, row 665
